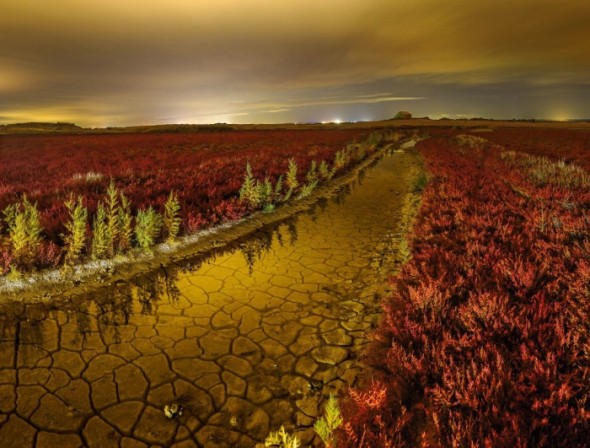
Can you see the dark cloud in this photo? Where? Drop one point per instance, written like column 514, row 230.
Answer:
column 112, row 62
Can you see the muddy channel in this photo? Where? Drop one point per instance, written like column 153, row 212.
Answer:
column 236, row 344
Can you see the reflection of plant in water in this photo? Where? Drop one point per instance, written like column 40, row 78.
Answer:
column 148, row 290
column 83, row 320
column 170, row 277
column 114, row 310
column 292, row 229
column 341, row 194
column 254, row 248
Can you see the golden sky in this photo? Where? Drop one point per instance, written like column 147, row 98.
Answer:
column 119, row 62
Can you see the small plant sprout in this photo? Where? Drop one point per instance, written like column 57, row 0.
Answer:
column 282, row 439
column 329, row 422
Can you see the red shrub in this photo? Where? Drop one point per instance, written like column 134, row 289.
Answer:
column 206, row 169
column 486, row 339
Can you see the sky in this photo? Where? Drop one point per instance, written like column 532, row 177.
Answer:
column 130, row 62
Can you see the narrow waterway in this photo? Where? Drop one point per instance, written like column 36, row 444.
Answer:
column 249, row 339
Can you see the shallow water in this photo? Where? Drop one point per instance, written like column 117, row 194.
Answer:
column 249, row 339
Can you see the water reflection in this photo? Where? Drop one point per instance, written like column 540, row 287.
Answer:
column 247, row 338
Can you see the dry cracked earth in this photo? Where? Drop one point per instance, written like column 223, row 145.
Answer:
column 246, row 341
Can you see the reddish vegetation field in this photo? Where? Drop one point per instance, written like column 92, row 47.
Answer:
column 206, row 169
column 485, row 341
column 571, row 145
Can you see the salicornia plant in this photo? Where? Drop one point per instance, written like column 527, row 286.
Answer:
column 75, row 238
column 148, row 224
column 172, row 217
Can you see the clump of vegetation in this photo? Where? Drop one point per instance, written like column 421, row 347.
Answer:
column 250, row 191
column 148, row 224
column 324, row 171
column 291, row 181
column 112, row 218
column 111, row 229
column 24, row 230
column 341, row 159
column 172, row 217
column 75, row 238
column 124, row 225
column 101, row 240
column 483, row 338
column 326, row 425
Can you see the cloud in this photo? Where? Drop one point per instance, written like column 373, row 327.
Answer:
column 136, row 61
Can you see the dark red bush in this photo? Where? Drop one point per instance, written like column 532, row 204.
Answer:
column 485, row 341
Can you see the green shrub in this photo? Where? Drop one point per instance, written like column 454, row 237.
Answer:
column 341, row 159
column 24, row 230
column 278, row 193
column 172, row 217
column 100, row 233
column 112, row 218
column 124, row 224
column 75, row 238
column 266, row 193
column 250, row 191
column 148, row 224
column 291, row 181
column 324, row 171
column 307, row 189
column 312, row 172
column 331, row 420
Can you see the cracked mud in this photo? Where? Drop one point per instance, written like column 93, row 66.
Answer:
column 243, row 342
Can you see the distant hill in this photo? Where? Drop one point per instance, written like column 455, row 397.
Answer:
column 39, row 127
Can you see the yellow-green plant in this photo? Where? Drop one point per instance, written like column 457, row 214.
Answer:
column 172, row 217
column 278, row 193
column 124, row 224
column 312, row 172
column 341, row 159
column 75, row 238
column 112, row 218
column 291, row 181
column 100, row 233
column 250, row 190
column 282, row 439
column 24, row 229
column 329, row 422
column 148, row 224
column 324, row 171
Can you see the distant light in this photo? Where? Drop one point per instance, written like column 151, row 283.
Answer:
column 337, row 121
